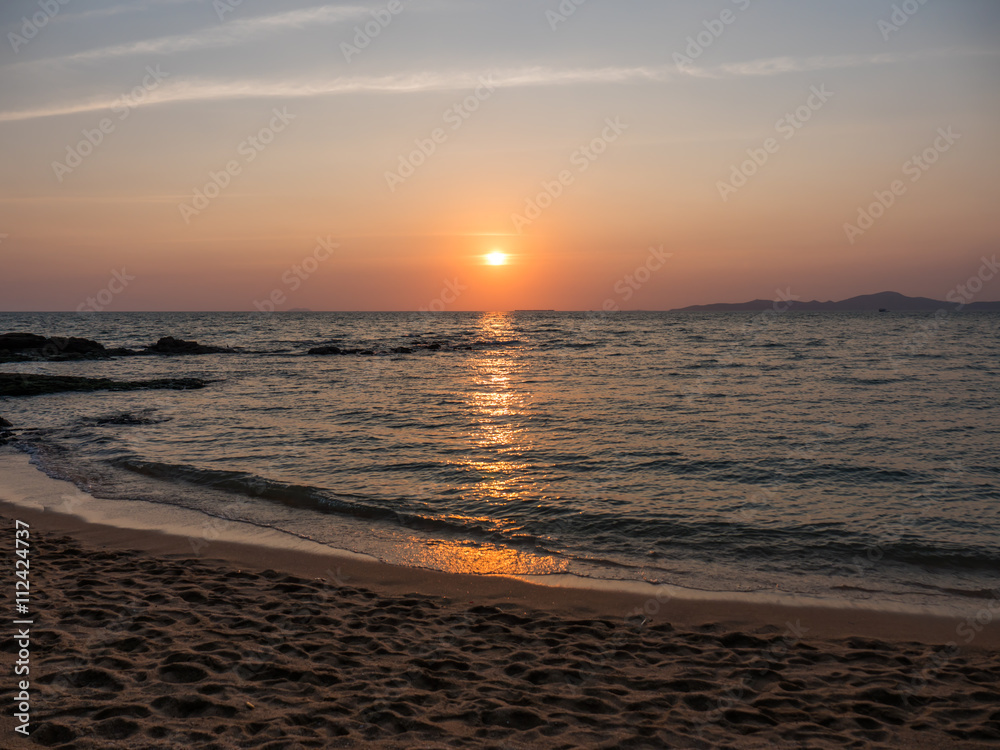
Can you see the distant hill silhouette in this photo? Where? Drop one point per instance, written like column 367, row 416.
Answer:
column 888, row 301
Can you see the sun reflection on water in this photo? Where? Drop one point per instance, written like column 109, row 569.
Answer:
column 498, row 476
column 480, row 559
column 500, row 412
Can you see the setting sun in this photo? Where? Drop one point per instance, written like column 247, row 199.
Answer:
column 496, row 258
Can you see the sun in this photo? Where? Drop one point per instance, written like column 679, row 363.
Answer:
column 497, row 258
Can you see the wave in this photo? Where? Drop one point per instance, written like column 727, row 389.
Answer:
column 305, row 497
column 852, row 380
column 554, row 528
column 775, row 469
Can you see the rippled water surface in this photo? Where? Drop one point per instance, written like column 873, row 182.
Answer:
column 841, row 455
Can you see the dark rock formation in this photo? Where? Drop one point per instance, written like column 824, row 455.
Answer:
column 334, row 350
column 329, row 349
column 170, row 345
column 22, row 384
column 124, row 419
column 5, row 434
column 27, row 347
column 30, row 347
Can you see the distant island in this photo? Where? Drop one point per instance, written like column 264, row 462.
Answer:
column 881, row 302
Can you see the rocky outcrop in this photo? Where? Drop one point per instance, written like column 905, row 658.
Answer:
column 27, row 347
column 23, row 384
column 334, row 350
column 434, row 346
column 30, row 347
column 170, row 345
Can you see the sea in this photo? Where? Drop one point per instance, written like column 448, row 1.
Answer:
column 850, row 457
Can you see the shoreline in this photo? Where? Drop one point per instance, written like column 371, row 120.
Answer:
column 138, row 642
column 58, row 507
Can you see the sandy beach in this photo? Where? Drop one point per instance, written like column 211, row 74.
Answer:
column 137, row 642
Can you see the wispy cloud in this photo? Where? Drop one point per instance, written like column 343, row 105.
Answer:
column 234, row 32
column 207, row 90
column 195, row 90
column 784, row 65
column 114, row 10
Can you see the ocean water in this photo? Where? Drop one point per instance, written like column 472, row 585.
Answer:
column 846, row 456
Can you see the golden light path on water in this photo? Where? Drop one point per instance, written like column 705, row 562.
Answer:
column 499, row 429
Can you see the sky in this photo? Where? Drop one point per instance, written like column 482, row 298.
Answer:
column 227, row 155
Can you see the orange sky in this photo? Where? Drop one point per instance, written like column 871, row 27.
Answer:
column 431, row 145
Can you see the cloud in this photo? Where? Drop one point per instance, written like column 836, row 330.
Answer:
column 234, row 32
column 114, row 10
column 208, row 90
column 783, row 65
column 194, row 90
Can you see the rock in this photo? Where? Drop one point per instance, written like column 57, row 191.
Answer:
column 26, row 347
column 5, row 423
column 74, row 345
column 22, row 384
column 170, row 345
column 330, row 350
column 15, row 342
column 124, row 419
